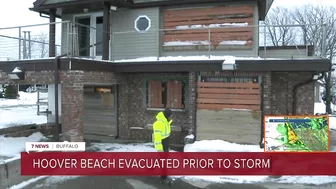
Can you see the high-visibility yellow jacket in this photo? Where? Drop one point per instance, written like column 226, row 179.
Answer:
column 161, row 130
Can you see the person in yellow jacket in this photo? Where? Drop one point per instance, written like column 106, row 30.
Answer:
column 161, row 133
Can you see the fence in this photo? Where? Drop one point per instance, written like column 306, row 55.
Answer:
column 235, row 39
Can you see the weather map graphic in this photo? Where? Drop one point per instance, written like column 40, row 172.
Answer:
column 296, row 134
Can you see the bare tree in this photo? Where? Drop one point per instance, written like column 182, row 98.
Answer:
column 281, row 34
column 40, row 45
column 319, row 29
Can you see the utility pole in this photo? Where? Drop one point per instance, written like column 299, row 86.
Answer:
column 24, row 45
column 29, row 46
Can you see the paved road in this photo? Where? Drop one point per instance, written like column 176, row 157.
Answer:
column 109, row 182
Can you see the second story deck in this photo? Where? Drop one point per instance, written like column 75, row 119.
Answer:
column 155, row 33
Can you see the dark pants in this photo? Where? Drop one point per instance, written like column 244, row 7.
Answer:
column 165, row 145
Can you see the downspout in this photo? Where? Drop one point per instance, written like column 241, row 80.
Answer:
column 262, row 128
column 295, row 89
column 116, row 107
column 56, row 69
column 41, row 15
column 198, row 79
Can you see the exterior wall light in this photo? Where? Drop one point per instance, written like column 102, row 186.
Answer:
column 316, row 76
column 229, row 63
column 16, row 74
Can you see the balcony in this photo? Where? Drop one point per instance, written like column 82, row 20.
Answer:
column 78, row 39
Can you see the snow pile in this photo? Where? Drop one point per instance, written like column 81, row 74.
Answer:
column 230, row 60
column 10, row 117
column 185, row 43
column 192, row 43
column 220, row 146
column 223, row 146
column 110, row 147
column 191, row 136
column 235, row 42
column 24, row 99
column 12, row 147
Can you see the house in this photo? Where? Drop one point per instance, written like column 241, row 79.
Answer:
column 319, row 87
column 124, row 61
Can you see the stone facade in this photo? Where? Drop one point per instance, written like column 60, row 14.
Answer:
column 283, row 84
column 31, row 77
column 73, row 99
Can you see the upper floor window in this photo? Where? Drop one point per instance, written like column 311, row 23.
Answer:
column 142, row 23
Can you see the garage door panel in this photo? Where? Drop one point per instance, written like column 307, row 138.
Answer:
column 99, row 114
column 229, row 111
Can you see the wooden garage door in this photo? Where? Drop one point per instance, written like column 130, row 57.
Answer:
column 99, row 113
column 228, row 111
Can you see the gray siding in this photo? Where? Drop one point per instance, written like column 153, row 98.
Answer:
column 284, row 53
column 131, row 44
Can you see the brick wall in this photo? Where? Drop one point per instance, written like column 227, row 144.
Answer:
column 133, row 112
column 282, row 93
column 31, row 77
column 73, row 99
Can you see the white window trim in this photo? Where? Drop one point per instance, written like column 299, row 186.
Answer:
column 138, row 18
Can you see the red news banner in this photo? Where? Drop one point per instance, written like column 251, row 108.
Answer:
column 176, row 163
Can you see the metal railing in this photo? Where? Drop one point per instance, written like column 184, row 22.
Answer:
column 28, row 41
column 78, row 40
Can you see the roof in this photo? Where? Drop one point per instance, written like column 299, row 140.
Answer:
column 43, row 7
column 253, row 65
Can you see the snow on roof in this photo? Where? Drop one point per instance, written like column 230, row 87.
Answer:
column 17, row 70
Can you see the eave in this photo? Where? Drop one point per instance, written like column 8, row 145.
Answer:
column 246, row 65
column 39, row 6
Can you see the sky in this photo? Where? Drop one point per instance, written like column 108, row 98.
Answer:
column 27, row 17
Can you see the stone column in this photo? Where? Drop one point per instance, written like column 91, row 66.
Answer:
column 72, row 105
column 192, row 102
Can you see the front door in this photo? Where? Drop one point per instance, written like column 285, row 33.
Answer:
column 90, row 35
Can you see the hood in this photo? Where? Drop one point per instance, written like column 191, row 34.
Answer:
column 160, row 115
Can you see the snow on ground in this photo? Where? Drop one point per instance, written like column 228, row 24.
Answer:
column 320, row 108
column 24, row 99
column 184, row 58
column 21, row 111
column 16, row 116
column 223, row 146
column 192, row 43
column 12, row 147
column 218, row 146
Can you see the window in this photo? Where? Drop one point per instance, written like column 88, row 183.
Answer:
column 99, row 36
column 231, row 79
column 84, row 36
column 142, row 23
column 166, row 94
